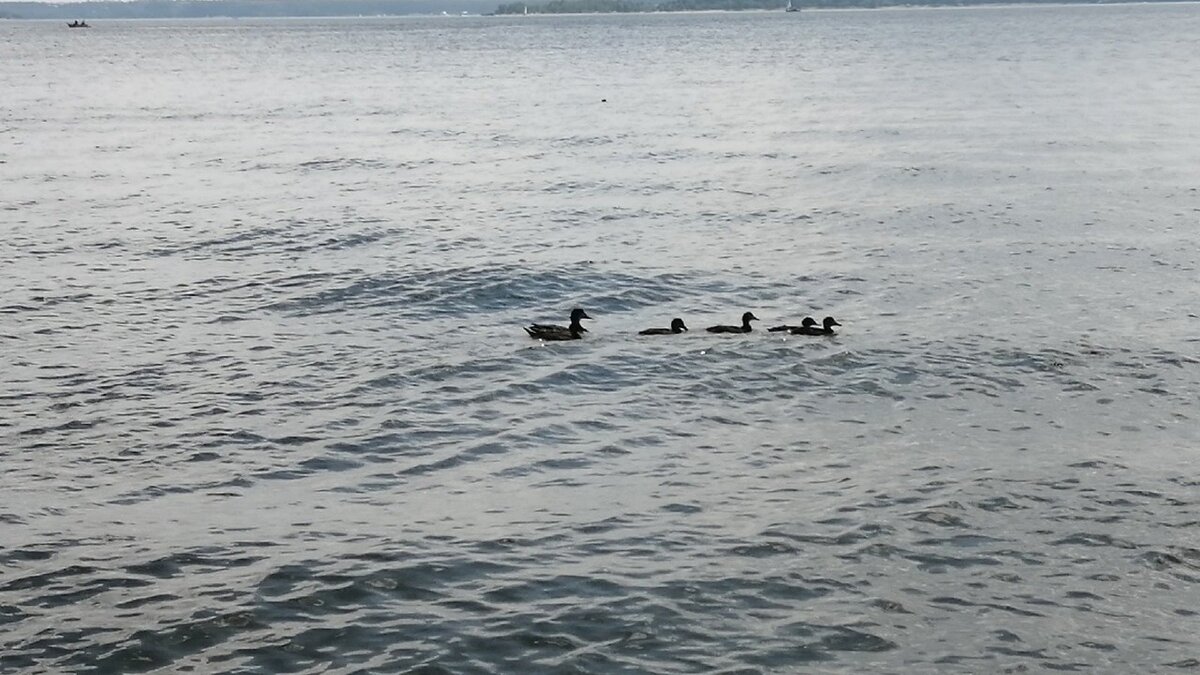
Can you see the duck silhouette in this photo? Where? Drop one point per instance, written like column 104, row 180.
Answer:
column 812, row 329
column 546, row 331
column 808, row 321
column 744, row 328
column 676, row 327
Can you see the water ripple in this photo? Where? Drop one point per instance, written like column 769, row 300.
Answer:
column 268, row 406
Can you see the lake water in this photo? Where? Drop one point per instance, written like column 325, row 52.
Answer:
column 267, row 405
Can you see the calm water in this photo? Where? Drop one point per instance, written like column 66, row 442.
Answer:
column 267, row 406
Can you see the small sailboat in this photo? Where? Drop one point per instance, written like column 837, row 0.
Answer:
column 790, row 7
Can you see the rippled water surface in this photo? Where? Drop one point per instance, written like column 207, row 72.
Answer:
column 267, row 406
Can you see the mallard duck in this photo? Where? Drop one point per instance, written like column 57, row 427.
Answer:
column 813, row 329
column 676, row 327
column 546, row 331
column 744, row 328
column 808, row 321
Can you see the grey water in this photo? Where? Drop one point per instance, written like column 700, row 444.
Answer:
column 266, row 404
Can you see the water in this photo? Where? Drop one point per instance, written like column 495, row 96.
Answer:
column 267, row 405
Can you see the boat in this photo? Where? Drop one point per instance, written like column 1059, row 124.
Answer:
column 790, row 7
column 78, row 24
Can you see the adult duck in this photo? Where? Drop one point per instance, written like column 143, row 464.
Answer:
column 808, row 321
column 825, row 329
column 744, row 328
column 676, row 328
column 546, row 331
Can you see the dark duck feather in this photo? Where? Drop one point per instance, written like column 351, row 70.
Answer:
column 546, row 331
column 808, row 321
column 813, row 329
column 744, row 328
column 676, row 327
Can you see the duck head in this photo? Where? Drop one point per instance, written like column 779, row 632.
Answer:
column 748, row 317
column 577, row 314
column 677, row 326
column 830, row 322
column 808, row 321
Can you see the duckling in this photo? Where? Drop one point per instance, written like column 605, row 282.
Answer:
column 808, row 321
column 811, row 329
column 545, row 331
column 744, row 328
column 676, row 328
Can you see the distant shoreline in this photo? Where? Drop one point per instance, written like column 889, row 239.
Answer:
column 850, row 6
column 110, row 10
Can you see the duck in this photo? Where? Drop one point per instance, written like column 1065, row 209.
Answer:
column 676, row 328
column 808, row 321
column 545, row 331
column 744, row 328
column 812, row 329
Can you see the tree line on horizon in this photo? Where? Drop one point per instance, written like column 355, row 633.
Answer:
column 612, row 6
column 191, row 9
column 201, row 9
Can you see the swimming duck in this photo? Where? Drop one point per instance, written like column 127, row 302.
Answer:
column 676, row 327
column 744, row 328
column 812, row 329
column 545, row 331
column 808, row 321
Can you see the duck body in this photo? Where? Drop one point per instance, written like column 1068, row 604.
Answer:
column 676, row 328
column 826, row 328
column 744, row 328
column 553, row 332
column 808, row 321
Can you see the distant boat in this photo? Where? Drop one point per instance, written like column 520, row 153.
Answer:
column 790, row 8
column 78, row 24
